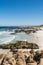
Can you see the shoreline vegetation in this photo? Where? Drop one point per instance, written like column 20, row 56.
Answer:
column 16, row 55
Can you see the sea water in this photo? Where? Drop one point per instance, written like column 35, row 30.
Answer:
column 6, row 36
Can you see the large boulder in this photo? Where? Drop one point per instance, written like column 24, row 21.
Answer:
column 9, row 61
column 20, row 59
column 2, row 57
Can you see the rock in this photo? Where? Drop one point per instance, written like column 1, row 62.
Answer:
column 9, row 61
column 41, row 61
column 32, row 63
column 12, row 61
column 2, row 57
column 6, row 63
column 20, row 60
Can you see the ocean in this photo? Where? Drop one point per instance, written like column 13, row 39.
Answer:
column 6, row 36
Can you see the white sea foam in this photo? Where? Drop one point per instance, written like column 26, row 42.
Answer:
column 1, row 32
column 5, row 37
column 7, row 40
column 37, row 37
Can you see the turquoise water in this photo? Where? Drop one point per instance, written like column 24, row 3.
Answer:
column 6, row 37
column 24, row 37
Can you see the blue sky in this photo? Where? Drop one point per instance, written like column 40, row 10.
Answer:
column 21, row 12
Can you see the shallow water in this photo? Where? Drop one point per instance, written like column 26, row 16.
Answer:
column 6, row 37
column 25, row 37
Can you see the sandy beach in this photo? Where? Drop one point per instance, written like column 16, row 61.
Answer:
column 24, row 56
column 39, row 35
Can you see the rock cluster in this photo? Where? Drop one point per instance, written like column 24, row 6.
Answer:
column 19, row 58
column 20, row 45
column 26, row 31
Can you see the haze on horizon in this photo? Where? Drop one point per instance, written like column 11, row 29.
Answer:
column 21, row 12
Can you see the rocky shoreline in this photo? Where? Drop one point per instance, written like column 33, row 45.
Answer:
column 21, row 58
column 20, row 45
column 17, row 57
column 26, row 31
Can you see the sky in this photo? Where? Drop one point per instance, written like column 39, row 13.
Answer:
column 21, row 12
